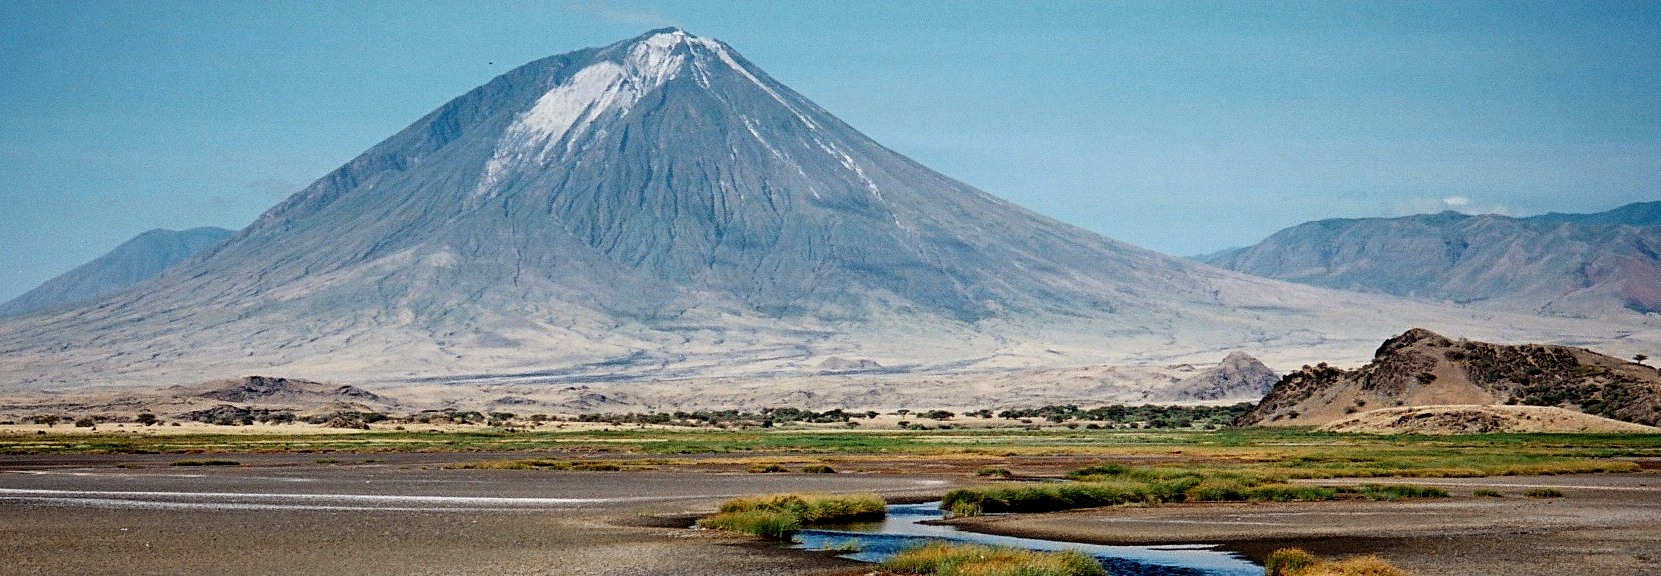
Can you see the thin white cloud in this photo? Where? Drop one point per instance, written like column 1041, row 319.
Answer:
column 621, row 15
column 1456, row 201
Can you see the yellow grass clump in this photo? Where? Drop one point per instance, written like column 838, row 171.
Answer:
column 1298, row 562
column 943, row 559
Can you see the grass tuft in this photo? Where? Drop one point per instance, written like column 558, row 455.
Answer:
column 818, row 469
column 1487, row 493
column 778, row 516
column 992, row 472
column 1544, row 493
column 765, row 468
column 943, row 559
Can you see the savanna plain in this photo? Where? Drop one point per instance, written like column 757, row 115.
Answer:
column 601, row 499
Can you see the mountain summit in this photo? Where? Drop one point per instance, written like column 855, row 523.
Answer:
column 660, row 208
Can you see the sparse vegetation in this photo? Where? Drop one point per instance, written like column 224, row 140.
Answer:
column 765, row 468
column 543, row 464
column 1113, row 484
column 1395, row 491
column 818, row 469
column 778, row 516
column 1487, row 493
column 1544, row 493
column 943, row 559
column 205, row 463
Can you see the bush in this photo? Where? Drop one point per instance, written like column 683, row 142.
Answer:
column 1487, row 493
column 764, row 468
column 818, row 469
column 1544, row 493
column 945, row 559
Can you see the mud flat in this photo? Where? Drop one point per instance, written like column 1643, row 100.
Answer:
column 86, row 516
column 1603, row 525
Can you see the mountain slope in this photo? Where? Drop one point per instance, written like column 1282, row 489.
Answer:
column 1594, row 265
column 661, row 209
column 134, row 261
column 1422, row 368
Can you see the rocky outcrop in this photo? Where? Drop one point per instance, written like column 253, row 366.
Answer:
column 1422, row 368
column 1238, row 376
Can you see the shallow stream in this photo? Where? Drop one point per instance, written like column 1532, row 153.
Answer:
column 876, row 541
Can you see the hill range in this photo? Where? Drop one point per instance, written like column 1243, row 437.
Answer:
column 1602, row 265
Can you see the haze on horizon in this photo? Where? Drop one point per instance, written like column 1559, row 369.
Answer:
column 1182, row 128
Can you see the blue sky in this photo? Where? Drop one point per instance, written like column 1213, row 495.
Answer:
column 1184, row 127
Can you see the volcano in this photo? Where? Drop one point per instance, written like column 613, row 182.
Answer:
column 660, row 208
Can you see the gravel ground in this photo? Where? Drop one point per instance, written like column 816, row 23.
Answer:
column 286, row 516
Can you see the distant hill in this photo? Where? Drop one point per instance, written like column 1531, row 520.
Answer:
column 134, row 261
column 1580, row 265
column 1634, row 214
column 1420, row 369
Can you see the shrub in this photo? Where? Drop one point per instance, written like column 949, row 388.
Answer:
column 945, row 559
column 818, row 469
column 764, row 468
column 1487, row 493
column 1544, row 493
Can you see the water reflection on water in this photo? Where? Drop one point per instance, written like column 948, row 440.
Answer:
column 876, row 541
